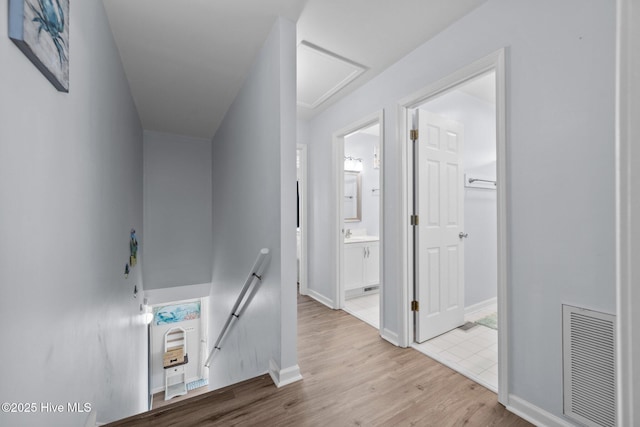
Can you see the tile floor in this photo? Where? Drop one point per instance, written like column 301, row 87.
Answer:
column 365, row 308
column 473, row 353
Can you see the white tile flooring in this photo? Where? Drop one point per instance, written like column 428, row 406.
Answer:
column 473, row 353
column 366, row 308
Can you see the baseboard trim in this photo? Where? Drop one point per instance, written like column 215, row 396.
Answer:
column 283, row 377
column 320, row 298
column 392, row 337
column 534, row 414
column 481, row 305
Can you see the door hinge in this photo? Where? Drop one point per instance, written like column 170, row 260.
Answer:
column 415, row 306
column 413, row 134
column 414, row 220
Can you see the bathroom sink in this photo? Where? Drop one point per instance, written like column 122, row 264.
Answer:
column 360, row 239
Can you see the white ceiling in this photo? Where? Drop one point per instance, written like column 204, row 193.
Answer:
column 186, row 60
column 374, row 33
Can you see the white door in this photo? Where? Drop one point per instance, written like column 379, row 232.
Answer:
column 439, row 250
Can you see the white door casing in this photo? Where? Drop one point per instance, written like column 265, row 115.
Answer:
column 440, row 208
column 495, row 61
column 338, row 184
column 302, row 238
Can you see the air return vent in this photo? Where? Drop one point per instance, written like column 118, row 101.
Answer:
column 589, row 366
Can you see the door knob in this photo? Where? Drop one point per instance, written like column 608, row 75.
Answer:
column 463, row 235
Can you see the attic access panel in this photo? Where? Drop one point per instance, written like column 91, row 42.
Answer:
column 321, row 74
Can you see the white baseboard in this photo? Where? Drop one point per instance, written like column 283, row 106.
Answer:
column 481, row 305
column 283, row 377
column 320, row 298
column 392, row 337
column 534, row 414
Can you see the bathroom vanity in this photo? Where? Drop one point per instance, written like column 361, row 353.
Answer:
column 361, row 265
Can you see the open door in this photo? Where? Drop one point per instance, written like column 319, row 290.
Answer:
column 439, row 275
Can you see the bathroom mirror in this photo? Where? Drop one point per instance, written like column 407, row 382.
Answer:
column 352, row 203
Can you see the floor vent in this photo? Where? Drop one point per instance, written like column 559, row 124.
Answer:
column 589, row 366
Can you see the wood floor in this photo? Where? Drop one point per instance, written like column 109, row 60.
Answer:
column 351, row 378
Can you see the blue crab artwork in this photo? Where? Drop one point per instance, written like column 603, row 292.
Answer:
column 50, row 16
column 176, row 312
column 40, row 29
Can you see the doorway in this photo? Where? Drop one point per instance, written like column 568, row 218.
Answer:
column 456, row 250
column 191, row 316
column 301, row 231
column 359, row 216
column 456, row 228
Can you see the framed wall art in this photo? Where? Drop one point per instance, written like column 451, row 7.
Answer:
column 40, row 28
column 174, row 313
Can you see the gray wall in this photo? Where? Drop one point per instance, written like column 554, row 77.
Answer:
column 560, row 97
column 177, row 210
column 254, row 174
column 71, row 189
column 480, row 210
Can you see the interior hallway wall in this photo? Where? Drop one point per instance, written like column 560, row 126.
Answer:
column 177, row 210
column 560, row 59
column 71, row 190
column 254, row 207
column 302, row 131
column 480, row 205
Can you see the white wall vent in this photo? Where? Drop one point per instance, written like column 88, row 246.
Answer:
column 589, row 366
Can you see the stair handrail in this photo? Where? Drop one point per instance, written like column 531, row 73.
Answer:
column 255, row 277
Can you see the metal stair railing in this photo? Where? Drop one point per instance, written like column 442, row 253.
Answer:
column 254, row 279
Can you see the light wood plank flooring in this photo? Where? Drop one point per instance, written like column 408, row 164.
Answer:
column 351, row 378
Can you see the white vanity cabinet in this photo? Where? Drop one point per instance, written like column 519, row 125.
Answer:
column 372, row 264
column 361, row 264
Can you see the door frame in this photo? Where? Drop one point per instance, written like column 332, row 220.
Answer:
column 627, row 212
column 302, row 183
column 338, row 174
column 494, row 62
